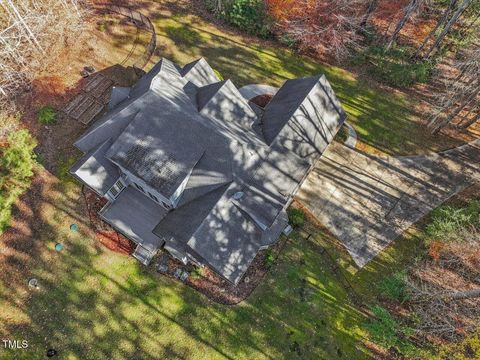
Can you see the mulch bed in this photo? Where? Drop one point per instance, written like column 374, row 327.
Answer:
column 262, row 100
column 217, row 289
column 107, row 236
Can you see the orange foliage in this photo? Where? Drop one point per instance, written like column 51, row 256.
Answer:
column 322, row 26
column 435, row 250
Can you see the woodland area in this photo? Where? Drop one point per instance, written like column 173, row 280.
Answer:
column 402, row 42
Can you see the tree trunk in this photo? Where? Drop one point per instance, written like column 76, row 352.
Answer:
column 372, row 6
column 447, row 27
column 409, row 10
column 449, row 118
column 461, row 295
column 442, row 21
column 29, row 34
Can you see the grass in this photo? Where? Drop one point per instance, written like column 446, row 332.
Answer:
column 94, row 303
column 385, row 121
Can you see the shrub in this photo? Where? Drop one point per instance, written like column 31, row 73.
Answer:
column 269, row 258
column 394, row 66
column 296, row 217
column 385, row 331
column 454, row 224
column 248, row 15
column 17, row 160
column 197, row 273
column 219, row 75
column 394, row 287
column 47, row 115
column 342, row 134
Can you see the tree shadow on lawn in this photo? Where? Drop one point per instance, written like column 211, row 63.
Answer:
column 96, row 304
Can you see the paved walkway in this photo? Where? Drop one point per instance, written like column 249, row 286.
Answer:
column 252, row 90
column 368, row 201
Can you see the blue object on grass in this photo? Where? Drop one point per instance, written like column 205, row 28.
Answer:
column 74, row 227
column 58, row 247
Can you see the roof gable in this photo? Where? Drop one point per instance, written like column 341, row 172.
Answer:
column 284, row 104
column 199, row 72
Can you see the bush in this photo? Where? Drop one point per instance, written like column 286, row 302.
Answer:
column 47, row 115
column 394, row 287
column 394, row 66
column 197, row 273
column 385, row 331
column 342, row 134
column 454, row 224
column 296, row 217
column 17, row 160
column 269, row 259
column 248, row 15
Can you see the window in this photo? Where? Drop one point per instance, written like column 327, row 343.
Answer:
column 119, row 185
column 116, row 189
column 113, row 191
column 139, row 187
column 153, row 197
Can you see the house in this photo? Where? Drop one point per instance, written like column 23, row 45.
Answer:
column 186, row 163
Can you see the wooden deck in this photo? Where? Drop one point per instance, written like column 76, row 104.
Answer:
column 91, row 101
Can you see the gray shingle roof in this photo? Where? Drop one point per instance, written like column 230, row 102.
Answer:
column 184, row 124
column 159, row 148
column 137, row 224
column 227, row 239
column 313, row 125
column 199, row 72
column 181, row 223
column 284, row 104
column 207, row 92
column 95, row 170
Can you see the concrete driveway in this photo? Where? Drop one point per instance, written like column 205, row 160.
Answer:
column 368, row 201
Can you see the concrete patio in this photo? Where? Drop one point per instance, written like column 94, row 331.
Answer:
column 368, row 201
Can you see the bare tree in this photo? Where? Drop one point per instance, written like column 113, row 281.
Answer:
column 324, row 27
column 27, row 28
column 461, row 93
column 411, row 8
column 441, row 22
column 372, row 6
column 461, row 8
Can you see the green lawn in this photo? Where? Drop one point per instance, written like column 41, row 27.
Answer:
column 96, row 304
